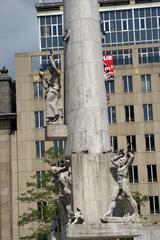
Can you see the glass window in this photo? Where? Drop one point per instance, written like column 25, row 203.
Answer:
column 142, row 23
column 112, row 114
column 146, row 82
column 129, row 113
column 59, row 144
column 38, row 90
column 43, row 42
column 118, row 14
column 109, row 86
column 124, row 25
column 148, row 113
column 39, row 119
column 60, row 30
column 154, row 204
column 152, row 173
column 42, row 20
column 42, row 210
column 133, row 174
column 114, row 143
column 45, row 31
column 41, row 181
column 48, row 20
column 150, row 143
column 112, row 15
column 137, row 24
column 40, row 149
column 127, row 83
column 106, row 26
column 158, row 22
column 131, row 142
column 49, row 42
column 55, row 41
column 153, row 11
column 154, row 22
column 148, row 23
column 55, row 30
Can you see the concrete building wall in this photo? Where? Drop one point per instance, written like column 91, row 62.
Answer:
column 25, row 163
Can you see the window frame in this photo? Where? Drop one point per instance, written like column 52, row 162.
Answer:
column 146, row 82
column 152, row 201
column 150, row 148
column 130, row 139
column 131, row 115
column 151, row 173
column 112, row 118
column 114, row 142
column 128, row 81
column 148, row 112
column 40, row 148
column 133, row 171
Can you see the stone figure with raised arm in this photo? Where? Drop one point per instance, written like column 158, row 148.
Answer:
column 52, row 91
column 122, row 161
column 64, row 178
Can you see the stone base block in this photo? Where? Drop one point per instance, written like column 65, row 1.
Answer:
column 103, row 231
column 56, row 132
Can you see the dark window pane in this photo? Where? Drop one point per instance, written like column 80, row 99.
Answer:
column 148, row 23
column 42, row 20
column 59, row 19
column 54, row 30
column 43, row 42
column 118, row 14
column 151, row 204
column 54, row 20
column 48, row 20
column 154, row 22
column 60, row 30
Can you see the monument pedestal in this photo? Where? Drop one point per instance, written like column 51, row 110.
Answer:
column 103, row 231
column 56, row 132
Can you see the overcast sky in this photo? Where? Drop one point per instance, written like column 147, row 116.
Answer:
column 18, row 30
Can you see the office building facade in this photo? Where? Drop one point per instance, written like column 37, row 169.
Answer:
column 130, row 34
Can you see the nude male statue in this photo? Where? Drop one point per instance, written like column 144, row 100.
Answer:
column 122, row 162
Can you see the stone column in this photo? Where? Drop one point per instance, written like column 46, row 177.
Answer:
column 86, row 108
column 85, row 100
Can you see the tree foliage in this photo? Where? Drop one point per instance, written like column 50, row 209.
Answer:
column 141, row 201
column 42, row 193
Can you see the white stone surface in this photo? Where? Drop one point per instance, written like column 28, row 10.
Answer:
column 149, row 233
column 90, row 176
column 56, row 132
column 103, row 231
column 85, row 108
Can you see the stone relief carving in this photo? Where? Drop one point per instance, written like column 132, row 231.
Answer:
column 63, row 175
column 52, row 91
column 122, row 161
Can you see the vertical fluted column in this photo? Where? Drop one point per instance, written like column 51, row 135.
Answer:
column 85, row 100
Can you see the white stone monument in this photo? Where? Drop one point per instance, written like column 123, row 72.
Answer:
column 86, row 118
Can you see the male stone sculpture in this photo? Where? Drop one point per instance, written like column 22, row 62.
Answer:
column 122, row 162
column 64, row 177
column 52, row 94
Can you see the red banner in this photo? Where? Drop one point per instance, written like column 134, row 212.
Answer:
column 108, row 67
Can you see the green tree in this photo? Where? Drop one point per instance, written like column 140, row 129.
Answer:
column 42, row 192
column 141, row 201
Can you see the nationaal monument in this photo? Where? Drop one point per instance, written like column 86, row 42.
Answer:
column 94, row 180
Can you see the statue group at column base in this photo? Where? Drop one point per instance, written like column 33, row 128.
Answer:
column 122, row 161
column 63, row 176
